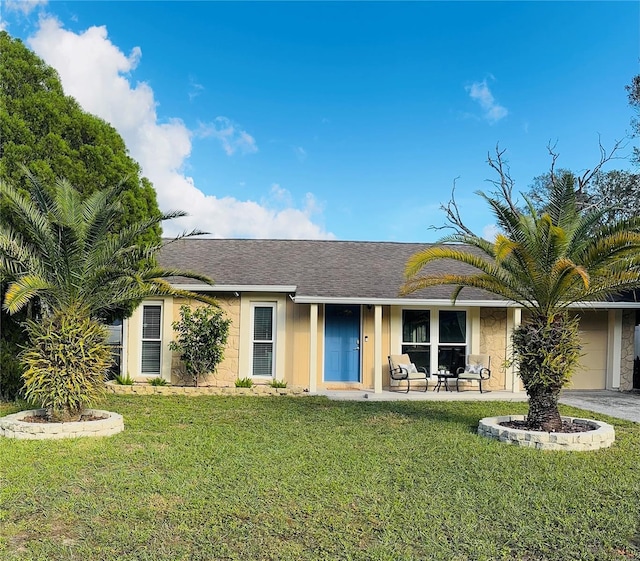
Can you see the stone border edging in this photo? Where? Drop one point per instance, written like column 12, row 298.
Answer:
column 148, row 389
column 12, row 426
column 602, row 436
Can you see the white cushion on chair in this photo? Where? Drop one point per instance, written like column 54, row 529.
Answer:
column 410, row 368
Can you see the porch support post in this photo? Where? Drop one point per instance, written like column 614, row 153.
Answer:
column 377, row 349
column 124, row 356
column 614, row 350
column 474, row 320
column 313, row 349
column 512, row 381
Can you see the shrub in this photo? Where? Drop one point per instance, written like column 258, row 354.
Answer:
column 13, row 338
column 66, row 363
column 157, row 382
column 11, row 371
column 244, row 383
column 201, row 337
column 278, row 383
column 124, row 379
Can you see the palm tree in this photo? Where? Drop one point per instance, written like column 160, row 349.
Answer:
column 65, row 253
column 545, row 262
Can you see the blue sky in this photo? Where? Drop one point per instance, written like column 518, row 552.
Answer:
column 343, row 120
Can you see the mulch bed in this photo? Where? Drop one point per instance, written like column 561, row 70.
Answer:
column 47, row 419
column 567, row 427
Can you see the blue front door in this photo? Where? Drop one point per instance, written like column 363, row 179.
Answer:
column 342, row 343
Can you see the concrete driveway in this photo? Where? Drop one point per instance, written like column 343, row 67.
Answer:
column 622, row 405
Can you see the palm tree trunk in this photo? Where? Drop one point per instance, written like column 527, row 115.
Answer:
column 547, row 351
column 543, row 410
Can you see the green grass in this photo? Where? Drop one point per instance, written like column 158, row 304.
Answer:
column 282, row 478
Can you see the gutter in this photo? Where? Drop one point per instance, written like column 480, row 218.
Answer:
column 426, row 302
column 201, row 287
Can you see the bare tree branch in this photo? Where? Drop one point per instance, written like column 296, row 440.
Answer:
column 505, row 183
column 551, row 148
column 605, row 157
column 452, row 215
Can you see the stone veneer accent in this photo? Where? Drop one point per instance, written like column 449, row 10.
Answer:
column 148, row 389
column 228, row 369
column 493, row 342
column 628, row 350
column 12, row 426
column 602, row 436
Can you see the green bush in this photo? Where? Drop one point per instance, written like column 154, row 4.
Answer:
column 66, row 363
column 10, row 371
column 157, row 382
column 244, row 383
column 278, row 383
column 124, row 379
column 201, row 335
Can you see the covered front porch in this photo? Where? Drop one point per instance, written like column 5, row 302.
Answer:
column 383, row 330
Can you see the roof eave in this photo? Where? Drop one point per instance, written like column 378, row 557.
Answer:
column 201, row 287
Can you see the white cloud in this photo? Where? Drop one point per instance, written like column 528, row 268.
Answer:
column 300, row 153
column 280, row 195
column 94, row 71
column 195, row 89
column 490, row 231
column 25, row 7
column 492, row 111
column 230, row 135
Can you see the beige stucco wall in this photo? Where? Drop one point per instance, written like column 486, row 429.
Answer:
column 592, row 371
column 366, row 345
column 489, row 334
column 298, row 344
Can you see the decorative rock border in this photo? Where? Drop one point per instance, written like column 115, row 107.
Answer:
column 602, row 435
column 148, row 389
column 13, row 426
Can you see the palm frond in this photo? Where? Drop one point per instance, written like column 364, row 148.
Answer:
column 70, row 252
column 22, row 290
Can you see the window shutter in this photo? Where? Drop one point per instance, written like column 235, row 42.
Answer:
column 263, row 323
column 151, row 339
column 151, row 322
column 263, row 341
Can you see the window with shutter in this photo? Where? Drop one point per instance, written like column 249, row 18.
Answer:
column 263, row 339
column 151, row 339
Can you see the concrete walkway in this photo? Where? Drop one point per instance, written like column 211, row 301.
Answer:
column 621, row 405
column 419, row 395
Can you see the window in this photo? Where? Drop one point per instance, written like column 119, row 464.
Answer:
column 114, row 340
column 452, row 339
column 263, row 339
column 151, row 339
column 448, row 337
column 416, row 337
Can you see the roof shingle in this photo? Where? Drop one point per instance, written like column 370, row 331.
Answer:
column 324, row 269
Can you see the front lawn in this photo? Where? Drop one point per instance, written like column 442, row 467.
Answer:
column 213, row 478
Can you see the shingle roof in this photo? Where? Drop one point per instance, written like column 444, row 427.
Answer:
column 323, row 269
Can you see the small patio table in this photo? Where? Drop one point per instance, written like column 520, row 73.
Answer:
column 443, row 379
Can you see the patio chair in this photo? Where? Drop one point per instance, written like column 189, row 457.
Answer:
column 478, row 367
column 401, row 368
